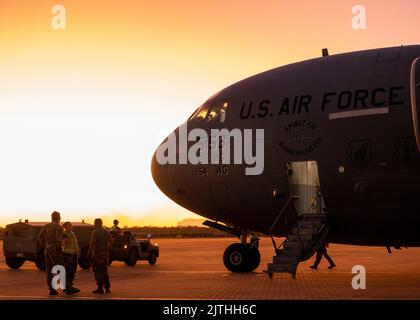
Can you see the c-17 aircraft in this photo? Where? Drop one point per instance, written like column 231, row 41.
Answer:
column 341, row 161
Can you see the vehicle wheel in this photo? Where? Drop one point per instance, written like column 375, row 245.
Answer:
column 40, row 262
column 237, row 258
column 255, row 259
column 14, row 263
column 132, row 258
column 153, row 258
column 84, row 261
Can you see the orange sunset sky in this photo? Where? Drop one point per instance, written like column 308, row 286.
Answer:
column 83, row 109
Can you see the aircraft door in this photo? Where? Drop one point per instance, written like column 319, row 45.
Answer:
column 304, row 184
column 415, row 98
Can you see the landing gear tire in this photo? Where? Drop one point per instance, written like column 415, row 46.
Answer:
column 240, row 257
column 14, row 263
column 255, row 258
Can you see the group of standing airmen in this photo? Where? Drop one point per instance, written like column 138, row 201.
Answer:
column 61, row 248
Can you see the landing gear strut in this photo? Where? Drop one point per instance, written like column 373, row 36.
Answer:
column 239, row 257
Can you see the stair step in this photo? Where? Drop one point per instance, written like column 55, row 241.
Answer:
column 304, row 230
column 290, row 253
column 285, row 260
column 303, row 237
column 314, row 216
column 300, row 244
column 294, row 245
column 312, row 223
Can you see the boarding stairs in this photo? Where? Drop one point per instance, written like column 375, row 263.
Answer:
column 303, row 240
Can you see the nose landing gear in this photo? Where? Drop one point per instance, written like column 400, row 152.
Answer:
column 239, row 257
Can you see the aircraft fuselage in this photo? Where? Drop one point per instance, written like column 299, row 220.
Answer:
column 351, row 114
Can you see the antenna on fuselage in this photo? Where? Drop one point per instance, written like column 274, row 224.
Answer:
column 325, row 52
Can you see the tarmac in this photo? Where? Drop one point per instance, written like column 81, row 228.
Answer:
column 193, row 269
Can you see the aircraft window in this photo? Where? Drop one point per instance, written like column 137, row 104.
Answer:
column 201, row 113
column 217, row 113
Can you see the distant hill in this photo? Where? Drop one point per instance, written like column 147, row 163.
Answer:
column 191, row 223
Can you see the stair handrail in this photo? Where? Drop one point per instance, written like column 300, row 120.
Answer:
column 300, row 225
column 276, row 248
column 320, row 230
column 298, row 231
column 318, row 195
column 291, row 197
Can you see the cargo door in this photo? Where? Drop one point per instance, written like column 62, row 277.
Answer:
column 305, row 185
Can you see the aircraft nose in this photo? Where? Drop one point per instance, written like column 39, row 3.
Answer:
column 160, row 174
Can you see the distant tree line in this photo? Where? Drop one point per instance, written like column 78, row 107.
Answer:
column 168, row 232
column 176, row 232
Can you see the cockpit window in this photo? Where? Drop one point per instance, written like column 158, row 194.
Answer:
column 217, row 112
column 212, row 112
column 202, row 113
